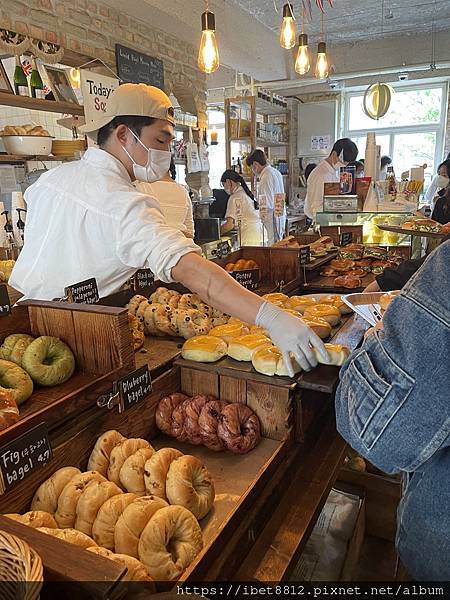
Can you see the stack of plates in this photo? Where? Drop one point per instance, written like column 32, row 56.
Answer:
column 68, row 147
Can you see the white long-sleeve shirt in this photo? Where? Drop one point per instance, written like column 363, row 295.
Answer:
column 271, row 183
column 322, row 174
column 242, row 210
column 175, row 203
column 86, row 219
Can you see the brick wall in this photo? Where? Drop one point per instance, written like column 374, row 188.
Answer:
column 92, row 28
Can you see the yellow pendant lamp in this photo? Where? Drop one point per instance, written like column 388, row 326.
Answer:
column 377, row 100
column 208, row 54
column 288, row 31
column 303, row 60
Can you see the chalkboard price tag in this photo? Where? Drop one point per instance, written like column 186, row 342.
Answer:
column 248, row 278
column 144, row 278
column 305, row 255
column 85, row 292
column 135, row 387
column 24, row 455
column 5, row 303
column 346, row 238
column 223, row 249
column 135, row 67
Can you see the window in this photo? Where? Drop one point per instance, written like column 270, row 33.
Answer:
column 412, row 132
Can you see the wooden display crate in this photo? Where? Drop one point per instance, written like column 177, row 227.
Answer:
column 239, row 480
column 100, row 340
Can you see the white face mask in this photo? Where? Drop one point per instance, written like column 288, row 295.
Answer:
column 158, row 163
column 442, row 181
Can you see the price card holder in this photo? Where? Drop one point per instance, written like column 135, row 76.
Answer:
column 5, row 303
column 248, row 278
column 143, row 279
column 305, row 255
column 128, row 391
column 346, row 238
column 223, row 249
column 24, row 455
column 85, row 292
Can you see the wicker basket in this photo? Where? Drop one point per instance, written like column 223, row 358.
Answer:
column 20, row 569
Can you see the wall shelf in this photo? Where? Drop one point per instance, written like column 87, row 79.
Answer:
column 260, row 142
column 38, row 104
column 15, row 158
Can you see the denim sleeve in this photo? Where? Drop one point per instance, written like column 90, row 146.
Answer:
column 393, row 401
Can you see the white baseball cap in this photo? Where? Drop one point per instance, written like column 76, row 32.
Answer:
column 132, row 99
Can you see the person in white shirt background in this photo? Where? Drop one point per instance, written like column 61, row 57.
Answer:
column 385, row 162
column 439, row 182
column 86, row 219
column 327, row 171
column 270, row 183
column 242, row 210
column 174, row 201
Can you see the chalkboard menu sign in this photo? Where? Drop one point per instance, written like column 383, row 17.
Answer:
column 5, row 306
column 346, row 238
column 135, row 387
column 135, row 67
column 24, row 455
column 248, row 278
column 144, row 278
column 85, row 292
column 305, row 255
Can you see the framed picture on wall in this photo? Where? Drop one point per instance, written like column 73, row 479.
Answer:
column 59, row 83
column 5, row 84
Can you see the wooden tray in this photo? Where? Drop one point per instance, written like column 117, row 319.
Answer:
column 429, row 234
column 324, row 285
column 239, row 479
column 101, row 341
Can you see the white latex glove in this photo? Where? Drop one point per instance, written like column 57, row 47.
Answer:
column 291, row 335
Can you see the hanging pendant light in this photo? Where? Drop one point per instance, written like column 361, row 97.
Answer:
column 288, row 32
column 377, row 100
column 208, row 54
column 303, row 60
column 322, row 68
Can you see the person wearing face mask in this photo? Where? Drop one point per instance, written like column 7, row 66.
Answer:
column 174, row 201
column 438, row 184
column 242, row 210
column 270, row 184
column 343, row 152
column 86, row 219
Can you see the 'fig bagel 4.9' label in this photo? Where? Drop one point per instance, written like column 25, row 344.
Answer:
column 85, row 292
column 134, row 388
column 24, row 455
column 5, row 303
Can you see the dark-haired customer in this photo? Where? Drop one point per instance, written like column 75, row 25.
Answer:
column 242, row 210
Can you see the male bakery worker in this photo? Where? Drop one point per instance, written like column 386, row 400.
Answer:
column 86, row 219
column 327, row 171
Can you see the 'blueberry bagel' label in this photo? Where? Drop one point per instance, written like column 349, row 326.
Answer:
column 135, row 387
column 85, row 292
column 248, row 278
column 24, row 455
column 5, row 303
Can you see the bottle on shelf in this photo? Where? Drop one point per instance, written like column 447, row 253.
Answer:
column 36, row 83
column 20, row 79
column 392, row 183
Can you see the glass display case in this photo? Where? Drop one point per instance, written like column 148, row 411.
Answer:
column 369, row 220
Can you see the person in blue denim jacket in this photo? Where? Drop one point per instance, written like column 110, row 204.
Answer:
column 393, row 407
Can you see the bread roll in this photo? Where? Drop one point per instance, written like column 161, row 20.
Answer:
column 328, row 313
column 300, row 303
column 9, row 413
column 120, row 453
column 229, row 332
column 164, row 412
column 269, row 361
column 107, row 517
column 132, row 472
column 320, row 327
column 28, row 127
column 93, row 497
column 72, row 536
column 99, row 459
column 156, row 469
column 134, row 304
column 136, row 571
column 132, row 523
column 338, row 355
column 190, row 484
column 20, row 130
column 243, row 348
column 386, row 299
column 9, row 130
column 47, row 495
column 67, row 503
column 35, row 519
column 170, row 542
column 254, row 329
column 204, row 348
column 276, row 297
column 338, row 303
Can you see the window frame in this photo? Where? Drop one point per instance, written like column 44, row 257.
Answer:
column 438, row 128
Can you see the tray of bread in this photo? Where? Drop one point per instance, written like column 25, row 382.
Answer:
column 418, row 226
column 370, row 306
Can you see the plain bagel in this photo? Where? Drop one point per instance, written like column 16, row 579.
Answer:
column 190, row 484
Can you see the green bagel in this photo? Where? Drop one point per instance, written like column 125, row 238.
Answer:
column 16, row 381
column 48, row 361
column 14, row 346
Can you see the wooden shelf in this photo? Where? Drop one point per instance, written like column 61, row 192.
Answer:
column 38, row 104
column 263, row 107
column 10, row 158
